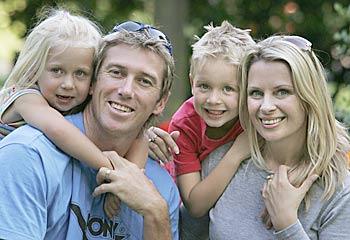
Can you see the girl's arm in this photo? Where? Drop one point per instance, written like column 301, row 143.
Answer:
column 200, row 195
column 138, row 152
column 35, row 111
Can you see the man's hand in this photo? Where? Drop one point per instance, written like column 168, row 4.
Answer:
column 131, row 186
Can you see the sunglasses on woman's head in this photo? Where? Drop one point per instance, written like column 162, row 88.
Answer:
column 152, row 32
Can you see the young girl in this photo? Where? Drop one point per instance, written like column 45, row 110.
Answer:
column 51, row 77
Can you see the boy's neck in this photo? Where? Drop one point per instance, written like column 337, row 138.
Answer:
column 219, row 132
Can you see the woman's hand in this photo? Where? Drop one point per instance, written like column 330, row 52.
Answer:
column 282, row 199
column 162, row 145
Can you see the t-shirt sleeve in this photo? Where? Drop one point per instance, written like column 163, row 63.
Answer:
column 23, row 191
column 187, row 160
column 13, row 96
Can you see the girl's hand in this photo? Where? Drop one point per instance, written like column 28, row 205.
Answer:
column 282, row 199
column 162, row 145
column 111, row 205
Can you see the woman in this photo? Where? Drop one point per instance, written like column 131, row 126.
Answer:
column 295, row 139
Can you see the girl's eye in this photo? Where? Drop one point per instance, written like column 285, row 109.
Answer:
column 56, row 70
column 255, row 94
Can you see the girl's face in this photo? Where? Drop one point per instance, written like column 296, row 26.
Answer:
column 274, row 108
column 66, row 79
column 215, row 91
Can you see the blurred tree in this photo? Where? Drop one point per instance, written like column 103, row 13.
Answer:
column 316, row 20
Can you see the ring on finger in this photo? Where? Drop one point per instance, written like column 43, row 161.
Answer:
column 152, row 139
column 106, row 178
column 269, row 177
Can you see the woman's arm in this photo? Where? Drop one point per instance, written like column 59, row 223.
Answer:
column 35, row 111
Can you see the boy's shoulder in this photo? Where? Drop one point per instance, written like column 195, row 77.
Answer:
column 186, row 111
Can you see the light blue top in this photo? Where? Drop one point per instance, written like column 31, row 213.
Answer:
column 45, row 194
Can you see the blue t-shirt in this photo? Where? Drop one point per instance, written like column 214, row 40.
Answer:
column 46, row 194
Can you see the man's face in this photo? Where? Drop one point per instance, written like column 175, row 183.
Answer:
column 127, row 89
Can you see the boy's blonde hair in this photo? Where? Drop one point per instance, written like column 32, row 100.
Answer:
column 57, row 28
column 225, row 41
column 327, row 141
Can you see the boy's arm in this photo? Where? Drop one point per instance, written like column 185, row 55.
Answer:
column 200, row 195
column 35, row 111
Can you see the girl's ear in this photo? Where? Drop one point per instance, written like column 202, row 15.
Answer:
column 91, row 89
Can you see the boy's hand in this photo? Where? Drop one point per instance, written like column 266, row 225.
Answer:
column 162, row 145
column 111, row 205
column 241, row 147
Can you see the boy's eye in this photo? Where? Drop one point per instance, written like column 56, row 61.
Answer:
column 81, row 73
column 203, row 87
column 228, row 89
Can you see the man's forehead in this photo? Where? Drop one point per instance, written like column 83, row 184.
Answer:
column 137, row 59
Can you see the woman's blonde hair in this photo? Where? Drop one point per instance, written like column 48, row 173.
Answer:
column 57, row 28
column 327, row 141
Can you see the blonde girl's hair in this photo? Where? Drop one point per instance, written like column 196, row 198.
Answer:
column 327, row 141
column 57, row 28
column 225, row 41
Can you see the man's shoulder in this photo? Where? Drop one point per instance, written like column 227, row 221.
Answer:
column 161, row 179
column 22, row 135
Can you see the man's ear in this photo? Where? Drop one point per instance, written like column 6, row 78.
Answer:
column 161, row 104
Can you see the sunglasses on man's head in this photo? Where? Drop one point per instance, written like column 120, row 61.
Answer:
column 152, row 32
column 298, row 41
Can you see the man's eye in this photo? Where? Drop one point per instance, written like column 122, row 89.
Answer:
column 145, row 82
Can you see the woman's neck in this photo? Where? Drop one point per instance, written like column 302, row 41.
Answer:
column 283, row 153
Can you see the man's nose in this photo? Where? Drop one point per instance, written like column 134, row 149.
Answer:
column 126, row 88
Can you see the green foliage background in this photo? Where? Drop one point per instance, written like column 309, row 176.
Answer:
column 325, row 23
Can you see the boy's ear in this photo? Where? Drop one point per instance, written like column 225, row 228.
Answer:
column 160, row 105
column 191, row 82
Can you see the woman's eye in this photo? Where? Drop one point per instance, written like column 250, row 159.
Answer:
column 282, row 92
column 255, row 93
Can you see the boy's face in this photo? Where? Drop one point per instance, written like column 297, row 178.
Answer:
column 215, row 91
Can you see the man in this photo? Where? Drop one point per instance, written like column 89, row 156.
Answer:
column 44, row 194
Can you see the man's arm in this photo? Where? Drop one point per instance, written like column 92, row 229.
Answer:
column 22, row 193
column 132, row 187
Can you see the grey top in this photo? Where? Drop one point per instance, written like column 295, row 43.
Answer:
column 236, row 214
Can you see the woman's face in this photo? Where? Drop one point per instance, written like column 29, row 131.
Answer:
column 274, row 108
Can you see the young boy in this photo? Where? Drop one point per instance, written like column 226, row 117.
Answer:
column 209, row 119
